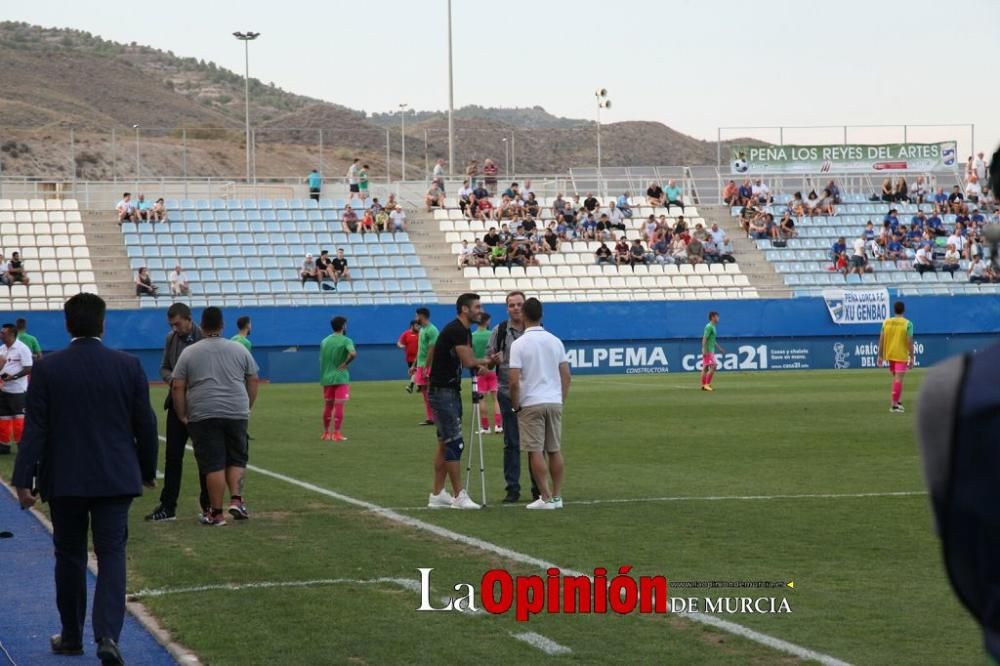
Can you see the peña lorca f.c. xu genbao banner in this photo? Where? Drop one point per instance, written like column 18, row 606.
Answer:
column 848, row 158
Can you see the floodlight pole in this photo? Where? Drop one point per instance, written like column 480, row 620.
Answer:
column 451, row 102
column 402, row 136
column 246, row 38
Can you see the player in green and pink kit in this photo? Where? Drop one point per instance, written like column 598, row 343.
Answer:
column 708, row 346
column 336, row 352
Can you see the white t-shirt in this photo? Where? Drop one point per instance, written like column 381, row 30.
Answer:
column 957, row 241
column 13, row 359
column 526, row 193
column 859, row 247
column 538, row 355
column 398, row 217
column 980, row 168
column 923, row 257
column 352, row 175
column 438, row 171
column 977, row 269
column 760, row 190
column 973, row 190
column 878, row 251
column 125, row 206
column 178, row 278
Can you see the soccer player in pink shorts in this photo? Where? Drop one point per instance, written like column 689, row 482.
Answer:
column 708, row 347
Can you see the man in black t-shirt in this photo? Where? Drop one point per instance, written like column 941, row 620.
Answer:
column 449, row 354
column 338, row 266
column 591, row 203
column 323, row 269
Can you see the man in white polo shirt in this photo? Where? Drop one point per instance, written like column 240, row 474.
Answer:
column 15, row 366
column 539, row 383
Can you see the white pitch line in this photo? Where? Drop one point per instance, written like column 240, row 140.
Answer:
column 544, row 644
column 731, row 627
column 713, row 498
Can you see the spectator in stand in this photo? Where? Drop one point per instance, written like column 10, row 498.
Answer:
column 353, row 180
column 308, row 270
column 869, row 230
column 859, row 259
column 716, row 234
column 434, row 198
column 490, row 170
column 973, row 190
column 679, row 249
column 761, row 192
column 876, row 247
column 699, row 232
column 674, row 194
column 980, row 168
column 323, row 268
column 126, row 209
column 338, row 267
column 797, row 205
column 887, row 194
column 550, row 240
column 622, row 251
column 935, row 225
column 731, row 194
column 838, row 249
column 481, row 192
column 382, row 218
column 901, row 192
column 588, row 229
column 661, row 249
column 894, row 249
column 464, row 194
column 956, row 201
column 746, row 193
column 624, row 206
column 531, row 206
column 979, row 271
column 711, row 251
column 368, row 222
column 923, row 261
column 957, row 238
column 726, row 252
column 363, row 182
column 158, row 213
column 787, row 226
column 349, row 220
column 512, row 192
column 4, row 276
column 603, row 255
column 179, row 282
column 760, row 226
column 834, row 191
column 498, row 255
column 472, row 173
column 559, row 205
column 813, row 203
column 397, row 220
column 637, row 254
column 144, row 284
column 390, row 203
column 527, row 192
column 143, row 208
column 696, row 251
column 481, row 253
column 918, row 191
column 940, row 201
column 952, row 259
column 591, row 203
column 465, row 255
column 655, row 195
column 492, row 238
column 650, row 228
column 15, row 270
column 315, row 182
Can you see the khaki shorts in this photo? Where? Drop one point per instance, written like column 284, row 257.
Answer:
column 540, row 427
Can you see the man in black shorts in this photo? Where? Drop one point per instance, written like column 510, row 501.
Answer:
column 214, row 388
column 324, row 271
column 450, row 353
column 338, row 267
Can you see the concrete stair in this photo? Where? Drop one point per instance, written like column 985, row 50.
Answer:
column 435, row 256
column 751, row 260
column 115, row 282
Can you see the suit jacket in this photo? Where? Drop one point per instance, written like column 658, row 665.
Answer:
column 89, row 428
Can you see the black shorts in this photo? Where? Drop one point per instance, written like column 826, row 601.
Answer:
column 355, row 188
column 11, row 404
column 219, row 443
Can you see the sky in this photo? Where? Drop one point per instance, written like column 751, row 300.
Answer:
column 694, row 65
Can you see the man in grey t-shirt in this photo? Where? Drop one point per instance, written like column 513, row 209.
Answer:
column 498, row 353
column 214, row 388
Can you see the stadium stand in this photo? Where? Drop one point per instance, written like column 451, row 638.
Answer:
column 248, row 252
column 805, row 262
column 572, row 274
column 49, row 235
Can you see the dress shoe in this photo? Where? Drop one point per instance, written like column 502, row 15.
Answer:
column 108, row 653
column 59, row 647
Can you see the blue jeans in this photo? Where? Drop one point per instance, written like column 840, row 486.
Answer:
column 511, row 446
column 446, row 404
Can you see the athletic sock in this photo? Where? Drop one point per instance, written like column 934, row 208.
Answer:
column 484, row 422
column 18, row 428
column 338, row 416
column 327, row 413
column 897, row 390
column 427, row 405
column 6, row 427
column 497, row 419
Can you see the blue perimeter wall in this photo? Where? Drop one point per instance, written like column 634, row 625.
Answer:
column 616, row 338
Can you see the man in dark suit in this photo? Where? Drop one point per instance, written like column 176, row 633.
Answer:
column 90, row 438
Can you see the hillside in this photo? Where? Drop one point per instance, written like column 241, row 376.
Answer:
column 71, row 100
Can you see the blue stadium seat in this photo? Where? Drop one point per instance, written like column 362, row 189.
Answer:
column 299, row 215
column 424, row 285
column 314, row 216
column 283, row 214
column 229, row 239
column 280, row 203
column 411, row 260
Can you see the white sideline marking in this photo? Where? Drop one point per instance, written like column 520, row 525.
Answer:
column 725, row 625
column 546, row 645
column 714, row 498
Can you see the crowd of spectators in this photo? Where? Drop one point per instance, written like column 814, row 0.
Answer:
column 140, row 210
column 375, row 218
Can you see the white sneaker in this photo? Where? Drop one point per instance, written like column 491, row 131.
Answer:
column 440, row 501
column 498, row 429
column 484, row 431
column 558, row 502
column 463, row 501
column 542, row 504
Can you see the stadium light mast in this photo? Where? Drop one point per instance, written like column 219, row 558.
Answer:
column 402, row 136
column 137, row 164
column 601, row 94
column 451, row 103
column 506, row 156
column 246, row 38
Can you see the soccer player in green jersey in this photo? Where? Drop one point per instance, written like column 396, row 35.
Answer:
column 422, row 368
column 336, row 352
column 243, row 337
column 486, row 381
column 29, row 340
column 708, row 346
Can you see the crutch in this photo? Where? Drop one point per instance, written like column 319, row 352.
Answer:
column 474, row 431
